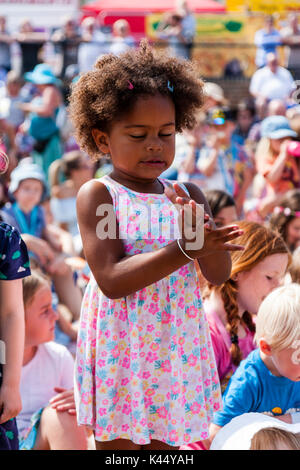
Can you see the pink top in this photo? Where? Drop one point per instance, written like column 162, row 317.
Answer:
column 221, row 344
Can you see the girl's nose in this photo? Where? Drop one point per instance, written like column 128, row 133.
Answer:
column 154, row 146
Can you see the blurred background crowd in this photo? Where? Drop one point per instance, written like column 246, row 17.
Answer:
column 244, row 154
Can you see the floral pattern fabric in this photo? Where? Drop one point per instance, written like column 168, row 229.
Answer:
column 145, row 367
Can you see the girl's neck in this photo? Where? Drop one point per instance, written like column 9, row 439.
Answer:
column 29, row 353
column 139, row 185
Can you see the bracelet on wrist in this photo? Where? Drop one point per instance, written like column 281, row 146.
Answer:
column 182, row 250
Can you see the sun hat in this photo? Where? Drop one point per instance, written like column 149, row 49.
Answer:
column 25, row 171
column 42, row 74
column 276, row 127
column 214, row 91
column 237, row 434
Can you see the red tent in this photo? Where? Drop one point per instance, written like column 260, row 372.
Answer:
column 150, row 6
column 136, row 11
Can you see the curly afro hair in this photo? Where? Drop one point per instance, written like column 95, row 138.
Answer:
column 103, row 94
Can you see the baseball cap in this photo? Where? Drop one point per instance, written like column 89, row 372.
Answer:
column 276, row 127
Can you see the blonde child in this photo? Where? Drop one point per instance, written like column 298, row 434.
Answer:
column 47, row 376
column 145, row 370
column 268, row 380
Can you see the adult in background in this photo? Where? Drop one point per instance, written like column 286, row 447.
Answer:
column 122, row 39
column 266, row 40
column 67, row 40
column 94, row 44
column 43, row 111
column 30, row 43
column 290, row 36
column 188, row 24
column 272, row 81
column 5, row 52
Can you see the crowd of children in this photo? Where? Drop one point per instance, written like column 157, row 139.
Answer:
column 158, row 298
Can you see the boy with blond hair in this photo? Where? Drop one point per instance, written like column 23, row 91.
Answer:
column 268, row 380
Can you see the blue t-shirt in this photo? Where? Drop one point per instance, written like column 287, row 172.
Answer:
column 10, row 216
column 266, row 42
column 253, row 388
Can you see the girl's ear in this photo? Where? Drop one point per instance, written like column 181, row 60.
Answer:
column 101, row 140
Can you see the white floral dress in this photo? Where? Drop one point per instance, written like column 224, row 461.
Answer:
column 145, row 367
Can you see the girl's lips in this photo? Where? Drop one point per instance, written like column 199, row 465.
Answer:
column 154, row 162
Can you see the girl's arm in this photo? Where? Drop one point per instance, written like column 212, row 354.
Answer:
column 47, row 108
column 278, row 166
column 215, row 272
column 12, row 334
column 208, row 166
column 117, row 274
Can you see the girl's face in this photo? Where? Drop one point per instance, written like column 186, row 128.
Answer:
column 29, row 193
column 142, row 142
column 226, row 216
column 256, row 284
column 293, row 233
column 40, row 318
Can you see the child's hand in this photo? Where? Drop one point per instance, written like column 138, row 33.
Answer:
column 64, row 401
column 214, row 239
column 10, row 403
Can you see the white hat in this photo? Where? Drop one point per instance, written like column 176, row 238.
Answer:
column 237, row 434
column 214, row 91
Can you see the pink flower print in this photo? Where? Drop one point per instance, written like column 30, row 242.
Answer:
column 173, row 436
column 146, row 375
column 150, row 328
column 101, row 363
column 122, row 334
column 204, row 355
column 207, row 383
column 126, row 409
column 102, row 411
column 151, row 357
column 153, row 308
column 178, row 322
column 195, row 408
column 165, row 317
column 149, row 392
column 175, row 388
column 125, row 427
column 133, row 356
column 162, row 412
column 196, row 341
column 166, row 366
column 107, row 334
column 181, row 302
column 116, row 399
column 124, row 381
column 109, row 382
column 85, row 398
column 183, row 271
column 192, row 312
column 186, row 438
column 155, row 297
column 115, row 352
column 135, row 404
column 98, row 382
column 216, row 406
column 192, row 360
column 126, row 363
column 148, row 402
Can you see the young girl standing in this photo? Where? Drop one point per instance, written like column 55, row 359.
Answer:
column 145, row 370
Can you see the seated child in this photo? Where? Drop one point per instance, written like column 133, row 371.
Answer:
column 48, row 418
column 27, row 189
column 268, row 380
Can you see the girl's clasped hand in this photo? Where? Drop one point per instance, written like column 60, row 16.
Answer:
column 215, row 239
